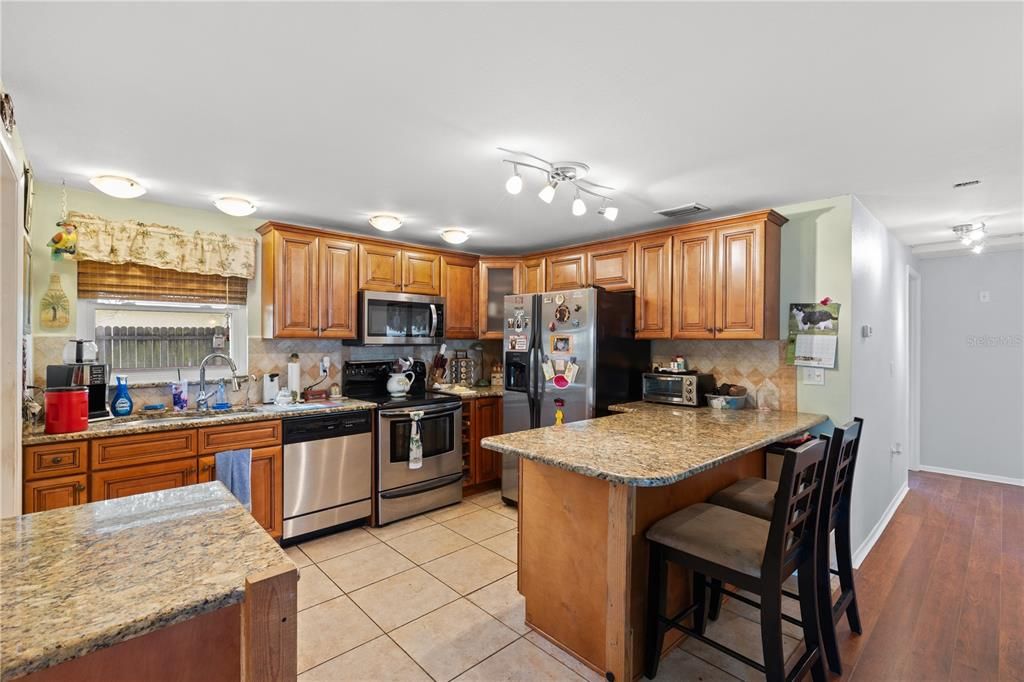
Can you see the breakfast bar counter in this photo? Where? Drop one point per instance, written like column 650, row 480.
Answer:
column 181, row 579
column 588, row 492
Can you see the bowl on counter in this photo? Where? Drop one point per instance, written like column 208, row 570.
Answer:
column 726, row 402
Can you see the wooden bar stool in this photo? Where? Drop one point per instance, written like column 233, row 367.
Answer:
column 757, row 497
column 757, row 555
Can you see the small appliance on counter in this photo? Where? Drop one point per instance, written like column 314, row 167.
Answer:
column 678, row 388
column 89, row 375
column 67, row 409
column 78, row 351
column 271, row 387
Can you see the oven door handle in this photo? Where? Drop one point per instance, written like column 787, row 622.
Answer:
column 406, row 411
column 433, row 320
column 423, row 488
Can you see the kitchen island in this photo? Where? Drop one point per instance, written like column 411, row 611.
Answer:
column 588, row 492
column 176, row 584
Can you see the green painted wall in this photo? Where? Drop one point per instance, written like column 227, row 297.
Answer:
column 816, row 262
column 47, row 212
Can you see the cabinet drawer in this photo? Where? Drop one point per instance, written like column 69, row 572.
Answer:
column 145, row 478
column 55, row 459
column 142, row 448
column 213, row 439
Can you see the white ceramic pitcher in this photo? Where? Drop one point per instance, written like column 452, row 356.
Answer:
column 400, row 383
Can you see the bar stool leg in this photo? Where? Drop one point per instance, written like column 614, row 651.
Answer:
column 656, row 596
column 700, row 598
column 771, row 633
column 809, row 617
column 845, row 564
column 715, row 602
column 826, row 623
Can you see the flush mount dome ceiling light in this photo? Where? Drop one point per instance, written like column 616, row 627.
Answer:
column 118, row 186
column 236, row 206
column 969, row 233
column 557, row 172
column 454, row 235
column 385, row 222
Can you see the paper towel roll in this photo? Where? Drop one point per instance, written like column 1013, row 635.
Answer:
column 294, row 379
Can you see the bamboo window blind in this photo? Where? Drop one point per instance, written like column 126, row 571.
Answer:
column 133, row 282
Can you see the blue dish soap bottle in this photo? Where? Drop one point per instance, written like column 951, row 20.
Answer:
column 121, row 405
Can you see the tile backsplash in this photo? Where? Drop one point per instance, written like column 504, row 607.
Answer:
column 758, row 365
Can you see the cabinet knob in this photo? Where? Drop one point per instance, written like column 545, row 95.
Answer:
column 58, row 460
column 719, row 330
column 79, row 487
column 207, row 467
column 711, row 330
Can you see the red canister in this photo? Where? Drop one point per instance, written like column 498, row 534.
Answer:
column 67, row 409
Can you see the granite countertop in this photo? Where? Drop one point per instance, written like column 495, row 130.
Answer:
column 138, row 422
column 475, row 392
column 653, row 445
column 84, row 578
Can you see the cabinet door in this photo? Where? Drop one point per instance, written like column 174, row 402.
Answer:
column 739, row 293
column 422, row 273
column 267, row 483
column 693, row 285
column 296, row 285
column 498, row 279
column 611, row 266
column 380, row 267
column 654, row 288
column 53, row 493
column 566, row 271
column 459, row 287
column 488, row 417
column 338, row 283
column 145, row 478
column 533, row 276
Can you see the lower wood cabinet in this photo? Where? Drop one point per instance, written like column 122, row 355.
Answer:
column 487, row 418
column 54, row 493
column 267, row 481
column 142, row 478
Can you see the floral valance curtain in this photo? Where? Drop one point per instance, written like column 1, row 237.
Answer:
column 161, row 246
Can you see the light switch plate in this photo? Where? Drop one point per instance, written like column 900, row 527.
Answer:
column 814, row 376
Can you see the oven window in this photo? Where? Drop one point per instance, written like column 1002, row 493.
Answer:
column 436, row 433
column 397, row 319
column 667, row 387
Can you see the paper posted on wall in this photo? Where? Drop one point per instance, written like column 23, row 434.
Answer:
column 815, row 351
column 813, row 334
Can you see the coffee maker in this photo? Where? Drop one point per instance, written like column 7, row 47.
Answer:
column 92, row 375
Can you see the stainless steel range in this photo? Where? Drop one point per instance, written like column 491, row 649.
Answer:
column 400, row 490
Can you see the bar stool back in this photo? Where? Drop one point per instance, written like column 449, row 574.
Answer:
column 725, row 545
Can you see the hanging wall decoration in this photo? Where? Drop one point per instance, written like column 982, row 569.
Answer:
column 64, row 244
column 54, row 307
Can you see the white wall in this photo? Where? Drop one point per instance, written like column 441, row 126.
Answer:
column 972, row 364
column 879, row 368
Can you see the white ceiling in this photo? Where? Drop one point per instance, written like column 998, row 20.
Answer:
column 326, row 113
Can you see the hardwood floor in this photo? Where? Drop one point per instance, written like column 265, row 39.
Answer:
column 942, row 592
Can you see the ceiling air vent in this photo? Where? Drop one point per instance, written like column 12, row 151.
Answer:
column 693, row 208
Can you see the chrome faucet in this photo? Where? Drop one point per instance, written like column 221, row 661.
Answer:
column 203, row 400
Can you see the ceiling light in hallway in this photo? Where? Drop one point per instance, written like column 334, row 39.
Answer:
column 118, row 186
column 235, row 206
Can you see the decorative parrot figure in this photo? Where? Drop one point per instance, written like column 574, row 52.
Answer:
column 65, row 241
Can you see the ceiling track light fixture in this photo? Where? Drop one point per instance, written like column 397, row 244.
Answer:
column 571, row 172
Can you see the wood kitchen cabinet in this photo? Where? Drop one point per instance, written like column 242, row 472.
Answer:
column 380, row 267
column 55, row 459
column 267, row 485
column 533, row 279
column 499, row 277
column 54, row 493
column 725, row 282
column 421, row 273
column 142, row 478
column 610, row 266
column 482, row 417
column 566, row 271
column 308, row 284
column 460, row 288
column 653, row 276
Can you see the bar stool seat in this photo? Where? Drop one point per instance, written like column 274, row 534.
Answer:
column 716, row 534
column 754, row 496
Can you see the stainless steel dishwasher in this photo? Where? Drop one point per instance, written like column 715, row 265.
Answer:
column 328, row 471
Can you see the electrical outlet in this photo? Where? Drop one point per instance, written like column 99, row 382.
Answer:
column 325, row 365
column 814, row 376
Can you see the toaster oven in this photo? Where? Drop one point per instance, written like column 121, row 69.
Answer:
column 685, row 388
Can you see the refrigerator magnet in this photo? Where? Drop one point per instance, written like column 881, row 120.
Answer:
column 571, row 370
column 560, row 381
column 561, row 343
column 549, row 371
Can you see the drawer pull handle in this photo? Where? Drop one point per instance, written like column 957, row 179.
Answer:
column 57, row 460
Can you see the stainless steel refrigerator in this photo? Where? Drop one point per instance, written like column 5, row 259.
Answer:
column 568, row 356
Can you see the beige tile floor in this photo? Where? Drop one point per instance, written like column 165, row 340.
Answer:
column 434, row 598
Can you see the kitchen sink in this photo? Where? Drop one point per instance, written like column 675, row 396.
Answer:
column 169, row 417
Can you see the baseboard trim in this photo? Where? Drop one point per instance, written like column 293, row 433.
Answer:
column 876, row 532
column 971, row 474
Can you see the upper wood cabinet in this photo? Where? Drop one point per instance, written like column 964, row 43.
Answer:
column 459, row 286
column 422, row 273
column 380, row 267
column 610, row 266
column 725, row 281
column 533, row 280
column 309, row 284
column 499, row 277
column 654, row 287
column 693, row 285
column 566, row 271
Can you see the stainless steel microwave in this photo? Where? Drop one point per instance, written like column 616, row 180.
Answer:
column 387, row 319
